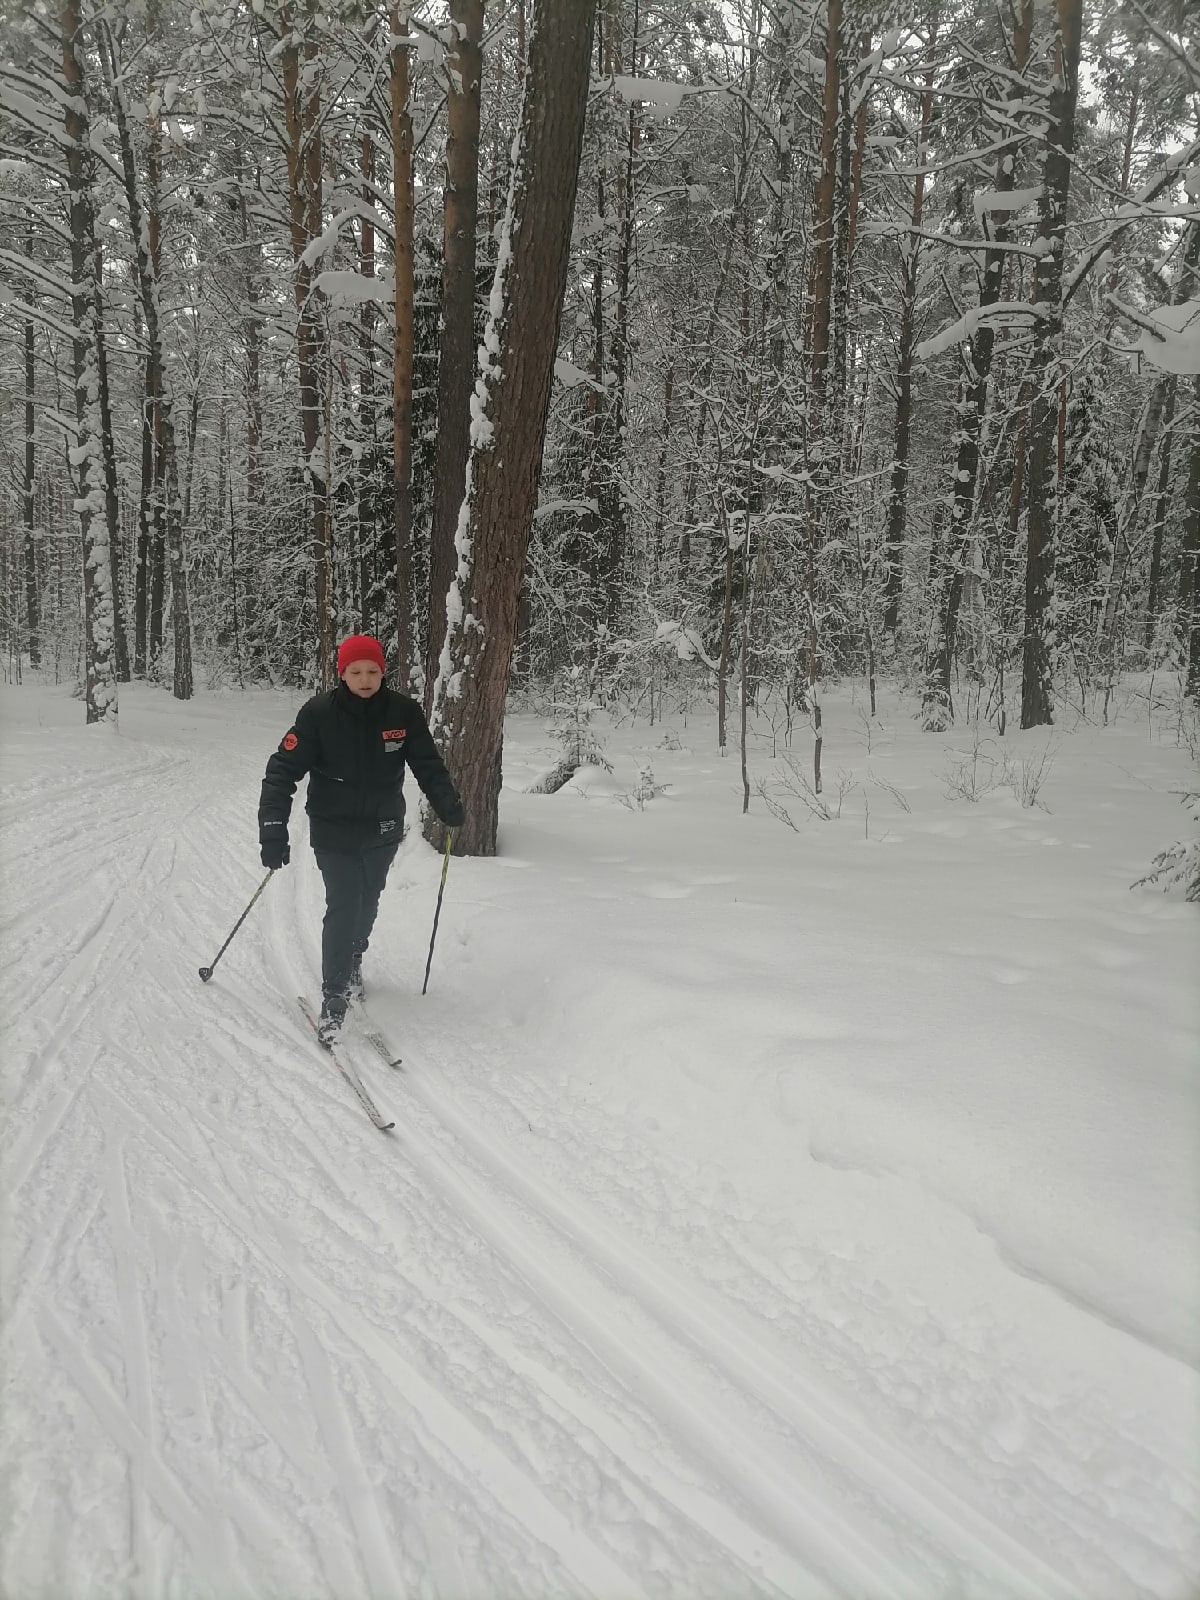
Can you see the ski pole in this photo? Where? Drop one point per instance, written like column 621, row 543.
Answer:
column 438, row 912
column 207, row 972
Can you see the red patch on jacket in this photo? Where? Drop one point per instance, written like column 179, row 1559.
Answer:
column 393, row 733
column 290, row 741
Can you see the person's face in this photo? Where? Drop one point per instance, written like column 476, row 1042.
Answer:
column 363, row 679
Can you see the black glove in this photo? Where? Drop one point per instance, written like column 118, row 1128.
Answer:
column 276, row 852
column 453, row 815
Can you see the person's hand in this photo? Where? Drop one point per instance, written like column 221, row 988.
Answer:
column 276, row 853
column 454, row 816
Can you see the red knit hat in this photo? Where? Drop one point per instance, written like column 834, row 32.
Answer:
column 360, row 647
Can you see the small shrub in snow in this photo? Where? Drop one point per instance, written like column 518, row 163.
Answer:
column 975, row 772
column 581, row 747
column 890, row 789
column 646, row 789
column 580, row 742
column 798, row 785
column 1025, row 778
column 1179, row 864
column 971, row 774
column 1187, row 727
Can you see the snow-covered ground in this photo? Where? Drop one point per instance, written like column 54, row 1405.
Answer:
column 770, row 1211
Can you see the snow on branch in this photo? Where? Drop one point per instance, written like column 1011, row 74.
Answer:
column 1170, row 337
column 686, row 642
column 571, row 376
column 662, row 99
column 1005, row 313
column 1175, row 167
column 990, row 200
column 33, row 115
column 1175, row 46
column 30, row 312
column 327, row 240
column 344, row 286
column 36, row 271
column 551, row 508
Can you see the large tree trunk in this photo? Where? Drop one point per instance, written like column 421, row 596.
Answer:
column 1037, row 690
column 1158, row 528
column 511, row 404
column 456, row 367
column 368, row 459
column 100, row 682
column 700, row 380
column 612, row 517
column 149, row 580
column 660, row 481
column 820, row 320
column 251, row 258
column 148, row 281
column 1157, row 416
column 778, row 252
column 141, row 565
column 32, row 605
column 402, row 355
column 112, row 504
column 158, row 531
column 937, row 709
column 157, row 501
column 1121, row 555
column 302, row 118
column 820, row 311
column 910, row 261
column 1189, row 573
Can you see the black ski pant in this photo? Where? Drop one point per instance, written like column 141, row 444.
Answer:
column 353, row 884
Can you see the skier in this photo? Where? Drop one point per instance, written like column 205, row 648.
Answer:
column 354, row 743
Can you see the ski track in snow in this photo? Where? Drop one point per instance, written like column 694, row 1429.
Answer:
column 729, row 1346
column 290, row 1356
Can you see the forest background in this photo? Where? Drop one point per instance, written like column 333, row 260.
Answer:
column 619, row 353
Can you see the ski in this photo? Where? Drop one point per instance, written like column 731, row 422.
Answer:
column 375, row 1038
column 347, row 1071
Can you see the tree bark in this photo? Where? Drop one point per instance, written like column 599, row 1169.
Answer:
column 820, row 318
column 510, row 408
column 910, row 261
column 158, row 531
column 402, row 355
column 157, row 572
column 456, row 366
column 613, row 517
column 1154, row 597
column 100, row 681
column 302, row 119
column 1189, row 573
column 112, row 504
column 1037, row 668
column 251, row 268
column 937, row 709
column 367, row 462
column 1157, row 415
column 148, row 281
column 32, row 602
column 141, row 566
column 660, row 482
column 819, row 322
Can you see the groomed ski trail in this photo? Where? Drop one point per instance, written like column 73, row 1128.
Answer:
column 251, row 1348
column 721, row 1390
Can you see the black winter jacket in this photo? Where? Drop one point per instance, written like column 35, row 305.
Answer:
column 355, row 752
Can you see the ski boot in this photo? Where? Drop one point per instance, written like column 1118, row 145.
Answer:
column 355, row 991
column 329, row 1024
